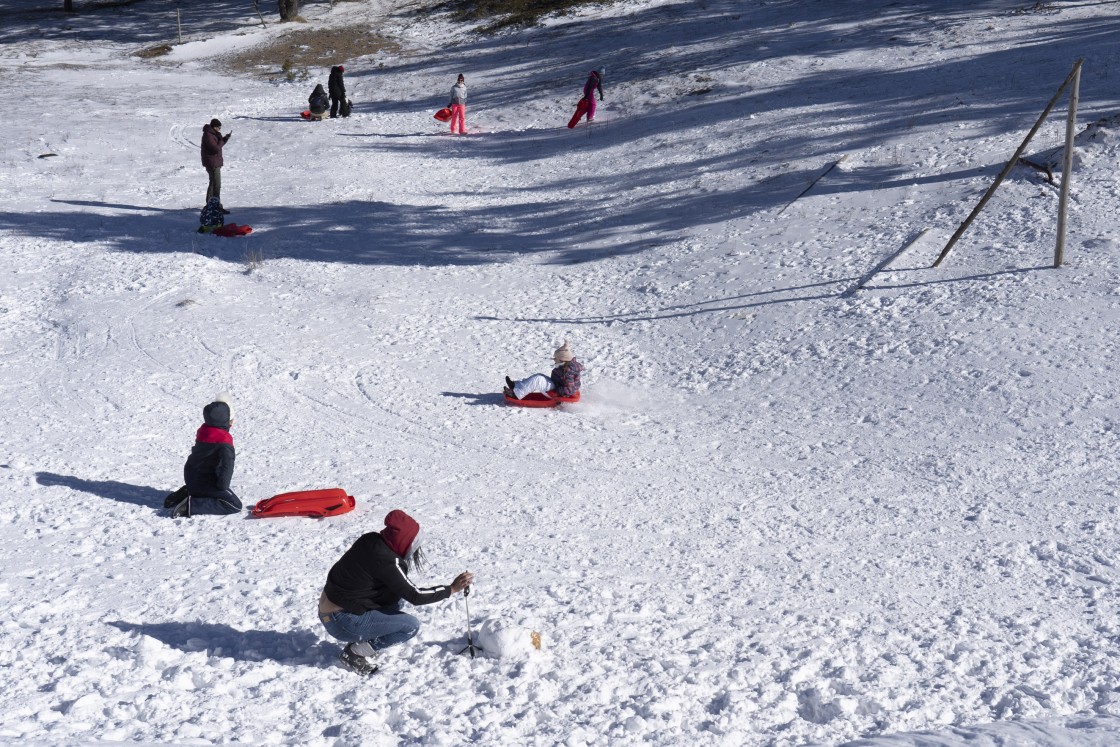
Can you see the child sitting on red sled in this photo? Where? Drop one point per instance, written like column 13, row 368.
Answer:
column 213, row 216
column 564, row 379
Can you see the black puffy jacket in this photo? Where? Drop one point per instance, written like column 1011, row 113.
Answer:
column 209, row 468
column 370, row 576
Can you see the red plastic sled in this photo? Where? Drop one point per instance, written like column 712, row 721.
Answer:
column 232, row 229
column 314, row 503
column 581, row 109
column 536, row 399
column 443, row 115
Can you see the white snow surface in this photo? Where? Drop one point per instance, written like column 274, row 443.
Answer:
column 784, row 512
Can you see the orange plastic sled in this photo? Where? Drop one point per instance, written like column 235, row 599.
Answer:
column 314, row 503
column 536, row 399
column 443, row 115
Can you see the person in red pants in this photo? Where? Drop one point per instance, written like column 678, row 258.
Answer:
column 458, row 106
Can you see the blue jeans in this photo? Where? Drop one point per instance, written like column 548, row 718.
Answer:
column 381, row 627
column 225, row 502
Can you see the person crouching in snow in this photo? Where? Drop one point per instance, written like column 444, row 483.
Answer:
column 319, row 102
column 209, row 468
column 594, row 81
column 212, row 216
column 458, row 105
column 564, row 379
column 366, row 589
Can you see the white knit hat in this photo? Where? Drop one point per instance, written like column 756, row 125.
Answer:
column 563, row 354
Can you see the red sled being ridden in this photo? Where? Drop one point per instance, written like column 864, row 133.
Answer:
column 536, row 399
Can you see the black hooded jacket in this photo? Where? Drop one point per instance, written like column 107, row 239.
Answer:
column 335, row 85
column 370, row 576
column 209, row 468
column 318, row 100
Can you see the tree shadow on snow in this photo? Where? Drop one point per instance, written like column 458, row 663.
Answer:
column 138, row 495
column 293, row 647
column 692, row 309
column 137, row 22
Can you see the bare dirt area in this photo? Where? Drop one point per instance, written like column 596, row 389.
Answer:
column 309, row 47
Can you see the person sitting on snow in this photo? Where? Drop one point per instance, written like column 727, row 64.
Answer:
column 213, row 216
column 319, row 102
column 564, row 379
column 209, row 468
column 362, row 602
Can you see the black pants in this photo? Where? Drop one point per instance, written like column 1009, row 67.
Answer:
column 335, row 102
column 214, row 188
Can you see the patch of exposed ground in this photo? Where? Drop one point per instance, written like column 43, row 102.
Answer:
column 304, row 47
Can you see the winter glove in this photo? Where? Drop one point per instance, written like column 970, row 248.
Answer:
column 600, row 97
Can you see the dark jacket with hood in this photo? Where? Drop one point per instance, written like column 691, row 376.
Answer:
column 373, row 573
column 335, row 86
column 209, row 468
column 318, row 100
column 212, row 142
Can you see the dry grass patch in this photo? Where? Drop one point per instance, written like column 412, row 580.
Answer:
column 310, row 48
column 512, row 13
column 158, row 50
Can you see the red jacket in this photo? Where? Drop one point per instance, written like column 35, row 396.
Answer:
column 212, row 142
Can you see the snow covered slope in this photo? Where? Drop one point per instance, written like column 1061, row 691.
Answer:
column 784, row 512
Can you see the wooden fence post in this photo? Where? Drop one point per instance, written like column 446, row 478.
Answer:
column 1010, row 165
column 1067, row 166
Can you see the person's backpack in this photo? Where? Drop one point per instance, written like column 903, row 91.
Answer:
column 314, row 503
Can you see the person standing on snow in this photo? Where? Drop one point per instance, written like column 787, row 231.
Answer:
column 212, row 143
column 337, row 90
column 209, row 468
column 594, row 81
column 458, row 105
column 366, row 589
column 564, row 380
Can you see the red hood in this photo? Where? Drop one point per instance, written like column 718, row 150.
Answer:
column 208, row 434
column 399, row 532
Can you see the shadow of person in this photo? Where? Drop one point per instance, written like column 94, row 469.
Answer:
column 292, row 647
column 484, row 398
column 139, row 495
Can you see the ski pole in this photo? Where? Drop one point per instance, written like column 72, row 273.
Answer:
column 466, row 604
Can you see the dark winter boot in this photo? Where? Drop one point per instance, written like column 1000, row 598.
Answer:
column 509, row 383
column 183, row 510
column 353, row 657
column 173, row 499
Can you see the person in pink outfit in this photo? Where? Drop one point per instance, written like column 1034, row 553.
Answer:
column 458, row 106
column 594, row 82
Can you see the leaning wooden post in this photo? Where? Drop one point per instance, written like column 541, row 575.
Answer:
column 1006, row 169
column 179, row 22
column 1067, row 166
